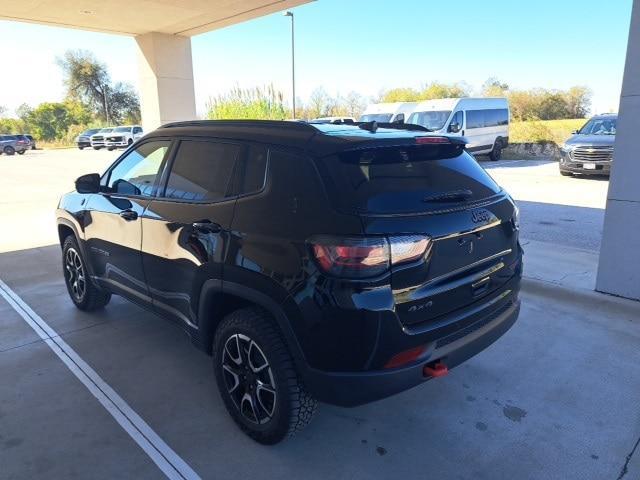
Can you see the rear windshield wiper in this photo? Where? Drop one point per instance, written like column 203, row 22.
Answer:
column 451, row 196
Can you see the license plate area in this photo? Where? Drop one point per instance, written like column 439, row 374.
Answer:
column 589, row 166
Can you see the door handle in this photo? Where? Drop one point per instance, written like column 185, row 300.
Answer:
column 128, row 215
column 206, row 226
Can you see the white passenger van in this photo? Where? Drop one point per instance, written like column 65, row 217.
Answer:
column 483, row 121
column 397, row 112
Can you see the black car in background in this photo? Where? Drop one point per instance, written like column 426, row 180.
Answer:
column 589, row 151
column 333, row 263
column 84, row 139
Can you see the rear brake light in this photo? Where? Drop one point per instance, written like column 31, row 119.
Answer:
column 431, row 140
column 366, row 257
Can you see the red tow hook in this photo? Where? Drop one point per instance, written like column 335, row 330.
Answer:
column 435, row 370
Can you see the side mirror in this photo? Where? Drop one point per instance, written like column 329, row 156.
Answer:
column 89, row 183
column 575, row 132
column 454, row 127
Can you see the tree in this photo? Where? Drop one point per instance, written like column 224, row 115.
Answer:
column 318, row 103
column 23, row 111
column 88, row 81
column 435, row 90
column 403, row 94
column 50, row 121
column 354, row 104
column 492, row 87
column 578, row 101
column 123, row 104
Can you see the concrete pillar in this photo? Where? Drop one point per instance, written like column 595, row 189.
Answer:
column 166, row 79
column 619, row 265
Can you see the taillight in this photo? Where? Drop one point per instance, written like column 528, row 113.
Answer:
column 366, row 257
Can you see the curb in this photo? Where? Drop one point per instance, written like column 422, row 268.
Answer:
column 579, row 297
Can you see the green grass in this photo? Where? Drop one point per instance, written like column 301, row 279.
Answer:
column 543, row 131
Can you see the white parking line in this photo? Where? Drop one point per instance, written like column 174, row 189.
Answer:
column 158, row 451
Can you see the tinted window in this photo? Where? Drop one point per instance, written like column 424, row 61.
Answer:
column 487, row 118
column 136, row 173
column 202, row 171
column 137, row 130
column 255, row 170
column 398, row 180
column 475, row 118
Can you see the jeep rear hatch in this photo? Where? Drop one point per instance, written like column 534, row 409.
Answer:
column 440, row 192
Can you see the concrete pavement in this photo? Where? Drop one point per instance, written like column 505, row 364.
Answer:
column 555, row 398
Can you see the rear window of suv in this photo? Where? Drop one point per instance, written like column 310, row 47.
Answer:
column 404, row 180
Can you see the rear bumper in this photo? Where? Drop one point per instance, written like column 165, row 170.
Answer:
column 352, row 389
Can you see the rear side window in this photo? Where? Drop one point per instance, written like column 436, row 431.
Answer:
column 255, row 170
column 202, row 171
column 403, row 180
column 487, row 118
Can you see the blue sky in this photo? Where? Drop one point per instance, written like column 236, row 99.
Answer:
column 366, row 46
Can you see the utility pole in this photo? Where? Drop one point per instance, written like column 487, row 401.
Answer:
column 293, row 63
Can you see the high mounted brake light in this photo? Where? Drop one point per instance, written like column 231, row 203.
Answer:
column 362, row 257
column 426, row 140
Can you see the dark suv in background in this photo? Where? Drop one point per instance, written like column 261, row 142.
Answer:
column 589, row 151
column 12, row 144
column 333, row 263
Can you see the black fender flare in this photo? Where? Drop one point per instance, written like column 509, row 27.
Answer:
column 216, row 286
column 81, row 244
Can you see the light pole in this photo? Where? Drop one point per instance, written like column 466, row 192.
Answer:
column 293, row 64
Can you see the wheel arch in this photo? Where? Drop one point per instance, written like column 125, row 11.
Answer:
column 219, row 298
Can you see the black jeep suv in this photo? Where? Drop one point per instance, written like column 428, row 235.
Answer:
column 339, row 263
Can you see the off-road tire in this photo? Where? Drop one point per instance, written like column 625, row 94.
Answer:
column 294, row 407
column 93, row 297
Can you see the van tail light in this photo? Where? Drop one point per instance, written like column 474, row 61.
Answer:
column 366, row 257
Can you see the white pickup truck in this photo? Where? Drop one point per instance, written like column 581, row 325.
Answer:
column 122, row 136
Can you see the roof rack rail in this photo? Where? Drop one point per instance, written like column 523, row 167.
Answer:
column 294, row 125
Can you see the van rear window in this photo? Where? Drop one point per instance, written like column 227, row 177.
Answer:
column 404, row 180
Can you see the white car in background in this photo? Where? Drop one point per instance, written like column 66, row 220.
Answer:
column 396, row 112
column 123, row 136
column 483, row 121
column 97, row 139
column 333, row 120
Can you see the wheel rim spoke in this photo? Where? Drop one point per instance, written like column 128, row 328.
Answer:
column 74, row 273
column 248, row 378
